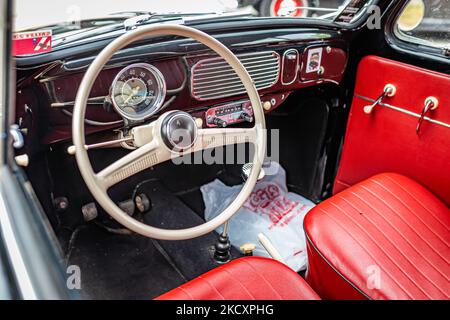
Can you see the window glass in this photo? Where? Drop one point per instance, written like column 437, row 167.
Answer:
column 425, row 22
column 70, row 15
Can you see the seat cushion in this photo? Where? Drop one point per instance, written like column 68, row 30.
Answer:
column 384, row 238
column 249, row 278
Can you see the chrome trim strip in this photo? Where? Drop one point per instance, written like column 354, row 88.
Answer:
column 94, row 100
column 229, row 92
column 214, row 79
column 249, row 60
column 235, row 84
column 251, row 64
column 410, row 113
column 18, row 264
column 253, row 68
column 233, row 75
column 235, row 80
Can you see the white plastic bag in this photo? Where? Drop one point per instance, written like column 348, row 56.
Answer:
column 270, row 210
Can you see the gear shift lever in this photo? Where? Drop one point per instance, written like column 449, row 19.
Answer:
column 222, row 248
column 223, row 245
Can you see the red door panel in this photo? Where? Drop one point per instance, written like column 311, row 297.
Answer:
column 386, row 139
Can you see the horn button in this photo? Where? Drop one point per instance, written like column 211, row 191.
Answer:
column 179, row 131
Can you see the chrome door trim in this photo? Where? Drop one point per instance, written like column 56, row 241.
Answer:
column 410, row 113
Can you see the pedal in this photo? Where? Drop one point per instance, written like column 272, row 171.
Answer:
column 60, row 204
column 128, row 206
column 89, row 211
column 143, row 203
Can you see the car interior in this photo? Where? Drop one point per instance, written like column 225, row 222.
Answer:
column 361, row 117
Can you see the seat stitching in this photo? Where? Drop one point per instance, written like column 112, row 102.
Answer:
column 406, row 257
column 212, row 286
column 404, row 237
column 231, row 276
column 388, row 190
column 367, row 251
column 186, row 292
column 399, row 215
column 419, row 202
column 264, row 278
column 387, row 255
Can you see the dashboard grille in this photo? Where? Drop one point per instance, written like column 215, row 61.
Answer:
column 213, row 78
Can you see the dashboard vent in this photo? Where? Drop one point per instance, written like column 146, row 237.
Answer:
column 213, row 78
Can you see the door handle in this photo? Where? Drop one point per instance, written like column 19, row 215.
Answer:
column 388, row 91
column 431, row 103
column 17, row 137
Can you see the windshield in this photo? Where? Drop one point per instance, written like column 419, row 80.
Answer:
column 69, row 15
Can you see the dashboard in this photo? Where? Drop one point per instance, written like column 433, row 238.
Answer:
column 145, row 80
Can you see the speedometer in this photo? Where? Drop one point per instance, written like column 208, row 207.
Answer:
column 138, row 91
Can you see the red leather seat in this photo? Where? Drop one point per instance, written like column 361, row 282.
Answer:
column 249, row 278
column 385, row 238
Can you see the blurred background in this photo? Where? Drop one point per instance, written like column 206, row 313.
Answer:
column 425, row 21
column 32, row 13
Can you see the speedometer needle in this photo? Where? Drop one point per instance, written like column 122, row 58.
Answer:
column 134, row 91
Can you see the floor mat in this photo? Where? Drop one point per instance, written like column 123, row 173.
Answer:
column 193, row 257
column 120, row 266
column 117, row 266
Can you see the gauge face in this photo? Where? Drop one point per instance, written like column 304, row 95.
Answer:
column 138, row 91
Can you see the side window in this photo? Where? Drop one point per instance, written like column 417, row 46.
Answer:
column 425, row 23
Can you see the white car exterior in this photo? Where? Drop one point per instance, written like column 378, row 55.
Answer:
column 29, row 13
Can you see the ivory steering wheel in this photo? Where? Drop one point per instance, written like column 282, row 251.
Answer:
column 153, row 141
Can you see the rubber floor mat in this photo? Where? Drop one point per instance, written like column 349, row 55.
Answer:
column 117, row 266
column 192, row 257
column 120, row 266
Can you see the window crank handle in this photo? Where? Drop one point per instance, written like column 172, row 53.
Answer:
column 431, row 103
column 368, row 109
column 388, row 91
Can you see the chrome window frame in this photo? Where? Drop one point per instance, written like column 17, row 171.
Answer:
column 402, row 44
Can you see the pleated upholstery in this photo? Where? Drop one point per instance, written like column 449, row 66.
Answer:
column 249, row 278
column 384, row 238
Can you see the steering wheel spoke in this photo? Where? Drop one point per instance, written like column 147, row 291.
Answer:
column 217, row 137
column 163, row 140
column 136, row 161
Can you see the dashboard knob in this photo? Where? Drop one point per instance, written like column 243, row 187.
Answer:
column 199, row 122
column 246, row 117
column 267, row 105
column 219, row 122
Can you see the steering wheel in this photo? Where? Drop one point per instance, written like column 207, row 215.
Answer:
column 158, row 141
